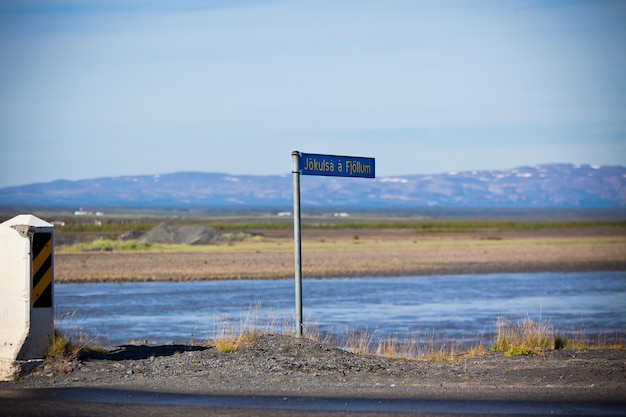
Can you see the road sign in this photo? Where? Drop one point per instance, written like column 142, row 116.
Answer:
column 337, row 166
column 316, row 164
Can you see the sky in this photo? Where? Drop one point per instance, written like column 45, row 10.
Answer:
column 99, row 88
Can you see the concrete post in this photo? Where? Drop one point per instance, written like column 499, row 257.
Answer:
column 26, row 292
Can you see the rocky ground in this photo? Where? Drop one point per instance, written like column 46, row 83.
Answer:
column 285, row 365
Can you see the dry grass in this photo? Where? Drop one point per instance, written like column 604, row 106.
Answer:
column 360, row 342
column 234, row 333
column 525, row 337
column 476, row 351
column 425, row 346
column 69, row 340
column 229, row 345
column 514, row 338
column 68, row 343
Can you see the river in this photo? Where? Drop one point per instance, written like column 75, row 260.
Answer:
column 463, row 308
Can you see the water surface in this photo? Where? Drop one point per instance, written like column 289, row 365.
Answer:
column 462, row 307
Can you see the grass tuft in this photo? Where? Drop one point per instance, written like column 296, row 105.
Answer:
column 61, row 347
column 524, row 337
column 68, row 341
column 230, row 345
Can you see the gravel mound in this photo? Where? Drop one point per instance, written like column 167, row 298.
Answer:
column 181, row 235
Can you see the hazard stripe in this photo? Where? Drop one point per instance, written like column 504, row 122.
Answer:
column 42, row 270
column 40, row 289
column 43, row 255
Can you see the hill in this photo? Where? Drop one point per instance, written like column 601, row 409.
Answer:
column 551, row 185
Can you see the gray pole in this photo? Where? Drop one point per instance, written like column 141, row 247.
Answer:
column 297, row 244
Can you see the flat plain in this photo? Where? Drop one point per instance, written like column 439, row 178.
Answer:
column 358, row 252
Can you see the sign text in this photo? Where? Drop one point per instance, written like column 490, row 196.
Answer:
column 337, row 166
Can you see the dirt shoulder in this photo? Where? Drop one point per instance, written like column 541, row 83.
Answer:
column 284, row 365
column 360, row 252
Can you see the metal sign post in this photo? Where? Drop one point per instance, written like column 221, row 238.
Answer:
column 325, row 165
column 297, row 241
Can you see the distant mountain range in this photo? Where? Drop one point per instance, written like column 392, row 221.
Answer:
column 551, row 185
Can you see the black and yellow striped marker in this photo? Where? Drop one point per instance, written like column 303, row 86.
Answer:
column 42, row 270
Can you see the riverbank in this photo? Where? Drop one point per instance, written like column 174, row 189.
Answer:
column 284, row 365
column 290, row 369
column 358, row 253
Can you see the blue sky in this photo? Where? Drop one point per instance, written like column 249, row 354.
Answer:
column 129, row 87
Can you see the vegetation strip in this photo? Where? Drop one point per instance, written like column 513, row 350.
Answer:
column 108, row 245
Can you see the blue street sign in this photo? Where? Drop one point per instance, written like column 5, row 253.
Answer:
column 337, row 166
